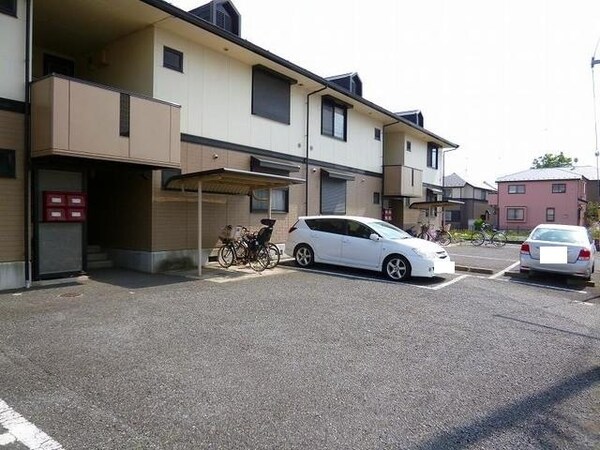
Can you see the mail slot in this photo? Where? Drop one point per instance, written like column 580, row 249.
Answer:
column 55, row 214
column 76, row 214
column 54, row 199
column 76, row 200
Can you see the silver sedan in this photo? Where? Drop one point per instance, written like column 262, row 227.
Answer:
column 564, row 249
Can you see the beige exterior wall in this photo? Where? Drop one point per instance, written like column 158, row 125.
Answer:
column 215, row 92
column 360, row 150
column 12, row 190
column 175, row 214
column 125, row 64
column 12, row 52
column 394, row 144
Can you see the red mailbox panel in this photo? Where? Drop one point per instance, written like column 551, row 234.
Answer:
column 65, row 206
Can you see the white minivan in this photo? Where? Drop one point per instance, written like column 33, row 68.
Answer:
column 365, row 243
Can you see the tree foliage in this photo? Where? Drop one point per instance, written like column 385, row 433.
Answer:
column 550, row 160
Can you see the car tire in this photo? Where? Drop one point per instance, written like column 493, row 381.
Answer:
column 304, row 255
column 396, row 268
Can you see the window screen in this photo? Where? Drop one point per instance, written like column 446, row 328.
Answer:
column 270, row 95
column 333, row 195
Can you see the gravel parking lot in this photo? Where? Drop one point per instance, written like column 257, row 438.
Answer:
column 300, row 359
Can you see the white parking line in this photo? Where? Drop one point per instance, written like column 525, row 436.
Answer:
column 503, row 271
column 20, row 429
column 448, row 283
column 366, row 278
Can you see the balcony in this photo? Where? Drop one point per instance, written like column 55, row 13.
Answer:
column 84, row 120
column 402, row 181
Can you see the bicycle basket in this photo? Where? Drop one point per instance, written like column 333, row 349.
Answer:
column 264, row 235
column 227, row 233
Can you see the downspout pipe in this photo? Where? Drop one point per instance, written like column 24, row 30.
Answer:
column 27, row 147
column 308, row 143
column 444, row 178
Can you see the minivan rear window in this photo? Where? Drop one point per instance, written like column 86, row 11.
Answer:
column 335, row 226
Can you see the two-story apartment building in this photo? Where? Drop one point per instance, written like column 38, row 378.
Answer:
column 554, row 195
column 473, row 198
column 142, row 129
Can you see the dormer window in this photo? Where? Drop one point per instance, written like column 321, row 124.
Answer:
column 221, row 13
column 350, row 81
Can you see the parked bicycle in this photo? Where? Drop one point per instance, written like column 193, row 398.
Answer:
column 488, row 235
column 243, row 247
column 441, row 236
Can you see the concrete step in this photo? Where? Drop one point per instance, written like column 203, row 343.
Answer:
column 97, row 256
column 94, row 249
column 104, row 264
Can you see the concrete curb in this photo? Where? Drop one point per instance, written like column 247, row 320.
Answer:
column 474, row 269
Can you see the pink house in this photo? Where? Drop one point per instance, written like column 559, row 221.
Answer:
column 526, row 199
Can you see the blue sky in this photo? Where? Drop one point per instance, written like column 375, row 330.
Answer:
column 507, row 80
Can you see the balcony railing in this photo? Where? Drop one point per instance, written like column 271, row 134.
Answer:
column 402, row 181
column 75, row 118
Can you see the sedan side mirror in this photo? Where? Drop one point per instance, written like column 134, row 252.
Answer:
column 375, row 237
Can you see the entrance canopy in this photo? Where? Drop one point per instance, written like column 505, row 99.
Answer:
column 435, row 204
column 230, row 181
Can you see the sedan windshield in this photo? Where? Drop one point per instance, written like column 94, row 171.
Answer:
column 388, row 230
column 558, row 235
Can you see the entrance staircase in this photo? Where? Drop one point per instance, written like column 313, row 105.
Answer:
column 97, row 258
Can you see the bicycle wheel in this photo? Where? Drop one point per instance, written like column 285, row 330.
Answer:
column 444, row 238
column 241, row 251
column 274, row 255
column 477, row 238
column 259, row 261
column 226, row 256
column 499, row 239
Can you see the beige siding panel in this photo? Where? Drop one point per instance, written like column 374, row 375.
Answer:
column 60, row 114
column 88, row 125
column 175, row 144
column 41, row 96
column 12, row 191
column 359, row 196
column 149, row 140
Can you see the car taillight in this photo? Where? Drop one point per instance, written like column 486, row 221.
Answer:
column 525, row 248
column 291, row 229
column 584, row 254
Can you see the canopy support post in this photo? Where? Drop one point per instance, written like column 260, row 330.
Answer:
column 269, row 201
column 199, row 228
